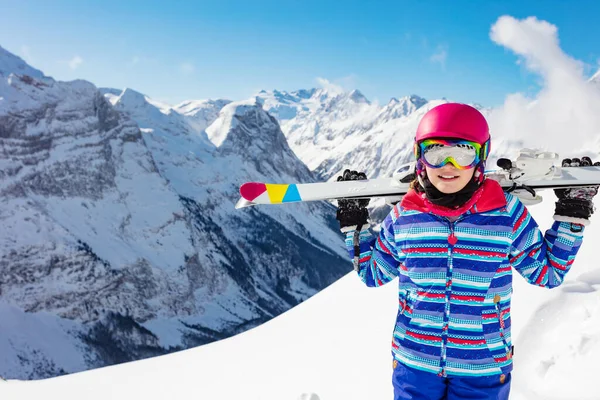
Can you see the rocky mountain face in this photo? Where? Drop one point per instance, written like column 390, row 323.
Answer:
column 119, row 235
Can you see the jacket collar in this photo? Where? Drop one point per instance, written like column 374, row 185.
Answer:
column 488, row 197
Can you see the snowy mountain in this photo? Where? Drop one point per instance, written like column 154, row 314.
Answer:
column 9, row 64
column 336, row 345
column 401, row 108
column 201, row 113
column 120, row 237
column 331, row 129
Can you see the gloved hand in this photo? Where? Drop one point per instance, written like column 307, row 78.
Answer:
column 352, row 213
column 576, row 205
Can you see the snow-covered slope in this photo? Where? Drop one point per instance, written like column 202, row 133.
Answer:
column 10, row 64
column 336, row 345
column 201, row 113
column 120, row 239
column 595, row 79
column 196, row 114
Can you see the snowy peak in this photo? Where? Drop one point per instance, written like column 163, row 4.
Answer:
column 283, row 105
column 413, row 100
column 111, row 94
column 336, row 97
column 358, row 97
column 196, row 115
column 291, row 97
column 252, row 118
column 148, row 113
column 23, row 87
column 304, row 94
column 244, row 129
column 201, row 113
column 193, row 108
column 12, row 64
column 403, row 107
column 288, row 105
column 131, row 99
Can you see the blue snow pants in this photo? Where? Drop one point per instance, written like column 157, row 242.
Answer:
column 413, row 384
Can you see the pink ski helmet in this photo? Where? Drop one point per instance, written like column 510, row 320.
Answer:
column 454, row 121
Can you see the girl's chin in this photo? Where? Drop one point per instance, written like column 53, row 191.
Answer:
column 449, row 187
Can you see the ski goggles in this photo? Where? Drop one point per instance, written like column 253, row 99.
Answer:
column 463, row 154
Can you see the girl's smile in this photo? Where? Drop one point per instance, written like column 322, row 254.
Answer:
column 449, row 179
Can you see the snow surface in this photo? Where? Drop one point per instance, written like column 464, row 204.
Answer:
column 336, row 345
column 10, row 63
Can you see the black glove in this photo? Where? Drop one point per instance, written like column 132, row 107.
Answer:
column 576, row 204
column 352, row 212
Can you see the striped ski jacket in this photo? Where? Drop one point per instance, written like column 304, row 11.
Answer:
column 455, row 277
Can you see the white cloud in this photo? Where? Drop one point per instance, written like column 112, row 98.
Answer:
column 75, row 62
column 440, row 56
column 330, row 86
column 187, row 68
column 563, row 116
column 338, row 85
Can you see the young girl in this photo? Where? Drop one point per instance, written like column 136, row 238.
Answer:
column 452, row 241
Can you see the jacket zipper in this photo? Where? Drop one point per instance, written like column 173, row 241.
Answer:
column 451, row 242
column 501, row 328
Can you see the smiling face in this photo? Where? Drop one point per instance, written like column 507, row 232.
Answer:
column 449, row 179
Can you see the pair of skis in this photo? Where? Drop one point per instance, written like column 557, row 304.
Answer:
column 532, row 171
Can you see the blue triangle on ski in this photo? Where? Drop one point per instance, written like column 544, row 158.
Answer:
column 291, row 194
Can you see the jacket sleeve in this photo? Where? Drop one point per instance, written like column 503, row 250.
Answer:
column 377, row 259
column 542, row 260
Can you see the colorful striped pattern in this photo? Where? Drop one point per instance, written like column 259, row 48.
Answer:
column 276, row 193
column 455, row 281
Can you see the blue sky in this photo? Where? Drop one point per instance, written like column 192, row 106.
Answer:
column 174, row 51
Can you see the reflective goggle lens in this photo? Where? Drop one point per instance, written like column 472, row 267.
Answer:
column 462, row 154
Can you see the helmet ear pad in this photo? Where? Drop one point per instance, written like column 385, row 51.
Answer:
column 420, row 168
column 479, row 174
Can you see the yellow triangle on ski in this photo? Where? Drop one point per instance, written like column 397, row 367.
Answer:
column 276, row 192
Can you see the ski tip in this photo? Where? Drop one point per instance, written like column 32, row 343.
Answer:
column 242, row 203
column 251, row 190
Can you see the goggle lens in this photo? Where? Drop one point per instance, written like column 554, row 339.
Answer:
column 462, row 154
